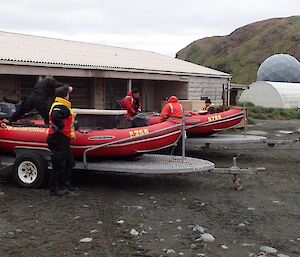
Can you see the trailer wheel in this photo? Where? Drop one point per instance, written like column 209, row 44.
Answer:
column 30, row 171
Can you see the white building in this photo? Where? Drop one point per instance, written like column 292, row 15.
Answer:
column 102, row 74
column 272, row 94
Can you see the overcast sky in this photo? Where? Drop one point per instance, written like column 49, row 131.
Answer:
column 163, row 26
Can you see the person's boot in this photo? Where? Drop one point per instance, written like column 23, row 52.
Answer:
column 54, row 188
column 52, row 184
column 55, row 192
column 58, row 192
column 71, row 189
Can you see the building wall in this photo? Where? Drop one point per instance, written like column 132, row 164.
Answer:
column 16, row 87
column 152, row 92
column 114, row 90
column 81, row 95
column 100, row 93
column 148, row 95
column 158, row 91
column 213, row 88
column 97, row 95
column 9, row 87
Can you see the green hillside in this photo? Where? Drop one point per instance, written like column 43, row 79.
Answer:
column 241, row 52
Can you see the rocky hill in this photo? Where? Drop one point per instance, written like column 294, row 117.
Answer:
column 241, row 52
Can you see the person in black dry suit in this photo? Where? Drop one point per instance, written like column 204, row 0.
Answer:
column 60, row 134
column 39, row 99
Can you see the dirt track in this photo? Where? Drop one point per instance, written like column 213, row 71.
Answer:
column 164, row 209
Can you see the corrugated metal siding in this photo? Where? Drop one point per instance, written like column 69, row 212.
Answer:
column 34, row 50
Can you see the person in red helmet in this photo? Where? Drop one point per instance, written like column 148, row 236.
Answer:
column 172, row 109
column 131, row 103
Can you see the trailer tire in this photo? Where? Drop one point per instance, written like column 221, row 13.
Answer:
column 30, row 171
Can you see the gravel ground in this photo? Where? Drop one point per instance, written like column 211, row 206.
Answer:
column 144, row 215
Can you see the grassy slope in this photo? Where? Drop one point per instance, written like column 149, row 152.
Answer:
column 241, row 52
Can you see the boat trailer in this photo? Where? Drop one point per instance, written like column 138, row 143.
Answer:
column 236, row 139
column 29, row 167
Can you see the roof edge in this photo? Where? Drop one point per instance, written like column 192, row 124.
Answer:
column 108, row 68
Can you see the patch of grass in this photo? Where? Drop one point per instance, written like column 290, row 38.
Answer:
column 262, row 113
column 250, row 120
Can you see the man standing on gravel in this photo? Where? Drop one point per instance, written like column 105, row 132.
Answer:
column 61, row 133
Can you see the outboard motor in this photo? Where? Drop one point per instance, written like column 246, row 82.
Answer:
column 140, row 120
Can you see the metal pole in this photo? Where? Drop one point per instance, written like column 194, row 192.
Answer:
column 129, row 84
column 234, row 161
column 245, row 120
column 228, row 91
column 183, row 134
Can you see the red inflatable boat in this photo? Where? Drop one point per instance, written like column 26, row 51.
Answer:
column 198, row 124
column 101, row 143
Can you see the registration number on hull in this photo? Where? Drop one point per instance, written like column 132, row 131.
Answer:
column 214, row 117
column 138, row 132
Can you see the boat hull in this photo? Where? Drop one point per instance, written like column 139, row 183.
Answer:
column 207, row 124
column 106, row 143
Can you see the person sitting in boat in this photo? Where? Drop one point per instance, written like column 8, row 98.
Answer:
column 131, row 103
column 172, row 109
column 39, row 99
column 60, row 134
column 209, row 106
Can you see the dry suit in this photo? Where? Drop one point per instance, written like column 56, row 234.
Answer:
column 38, row 99
column 131, row 104
column 60, row 134
column 172, row 109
